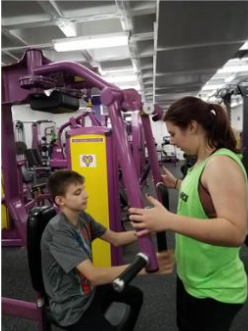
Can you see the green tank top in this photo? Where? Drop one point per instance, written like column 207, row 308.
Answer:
column 207, row 271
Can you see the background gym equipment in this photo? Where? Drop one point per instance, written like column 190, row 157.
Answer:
column 226, row 94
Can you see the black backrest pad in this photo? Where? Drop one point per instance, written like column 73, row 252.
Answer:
column 32, row 161
column 37, row 156
column 37, row 221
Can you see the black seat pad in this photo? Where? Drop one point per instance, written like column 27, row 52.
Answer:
column 37, row 221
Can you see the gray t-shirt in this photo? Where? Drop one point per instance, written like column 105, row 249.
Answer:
column 63, row 247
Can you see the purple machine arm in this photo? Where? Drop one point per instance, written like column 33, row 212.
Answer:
column 161, row 236
column 138, row 143
column 151, row 146
column 72, row 68
column 74, row 121
column 113, row 97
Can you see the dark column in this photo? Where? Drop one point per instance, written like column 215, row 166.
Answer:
column 245, row 130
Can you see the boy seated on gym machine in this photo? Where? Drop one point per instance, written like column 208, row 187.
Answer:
column 80, row 293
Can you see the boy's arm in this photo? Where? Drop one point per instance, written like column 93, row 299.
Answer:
column 105, row 275
column 99, row 275
column 119, row 238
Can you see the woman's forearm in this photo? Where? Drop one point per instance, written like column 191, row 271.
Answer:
column 178, row 184
column 215, row 231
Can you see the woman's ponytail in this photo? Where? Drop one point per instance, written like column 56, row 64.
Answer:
column 212, row 117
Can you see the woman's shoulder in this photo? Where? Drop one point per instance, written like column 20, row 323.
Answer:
column 220, row 160
column 224, row 156
column 223, row 163
column 227, row 152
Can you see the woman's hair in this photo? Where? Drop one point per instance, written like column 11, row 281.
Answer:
column 60, row 180
column 212, row 117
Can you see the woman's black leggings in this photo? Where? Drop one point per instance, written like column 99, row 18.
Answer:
column 195, row 314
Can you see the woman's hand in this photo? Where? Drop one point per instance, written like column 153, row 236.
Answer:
column 166, row 263
column 153, row 219
column 169, row 179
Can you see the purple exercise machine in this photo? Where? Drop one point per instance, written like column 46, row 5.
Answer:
column 30, row 77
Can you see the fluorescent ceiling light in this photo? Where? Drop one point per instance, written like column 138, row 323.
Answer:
column 106, row 72
column 113, row 71
column 233, row 69
column 212, row 87
column 121, row 79
column 244, row 47
column 91, row 42
column 236, row 61
column 229, row 78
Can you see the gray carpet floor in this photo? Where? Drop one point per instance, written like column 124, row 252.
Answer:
column 158, row 311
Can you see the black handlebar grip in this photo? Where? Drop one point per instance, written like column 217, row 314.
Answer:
column 160, row 186
column 161, row 241
column 161, row 236
column 127, row 275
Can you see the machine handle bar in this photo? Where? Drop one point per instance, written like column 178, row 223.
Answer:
column 127, row 275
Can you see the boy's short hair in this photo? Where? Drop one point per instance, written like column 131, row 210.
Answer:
column 60, row 180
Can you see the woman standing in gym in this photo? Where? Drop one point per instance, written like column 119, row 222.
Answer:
column 211, row 219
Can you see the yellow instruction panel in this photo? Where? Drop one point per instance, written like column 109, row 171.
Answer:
column 88, row 155
column 4, row 212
